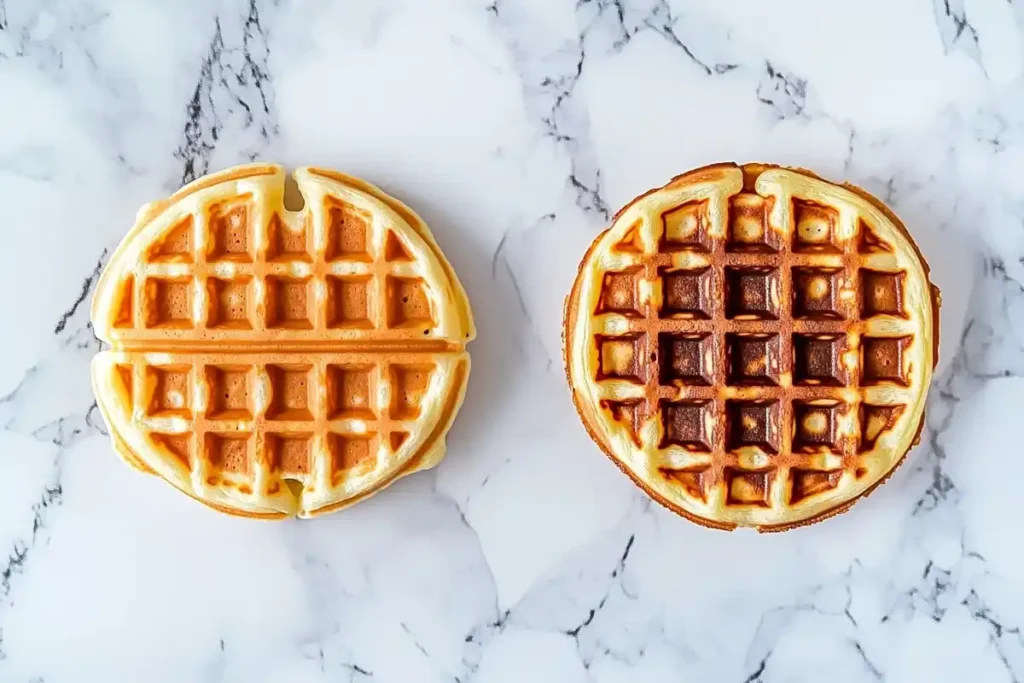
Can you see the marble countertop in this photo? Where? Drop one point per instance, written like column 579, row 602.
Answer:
column 515, row 127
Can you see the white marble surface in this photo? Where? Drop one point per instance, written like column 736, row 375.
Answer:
column 514, row 127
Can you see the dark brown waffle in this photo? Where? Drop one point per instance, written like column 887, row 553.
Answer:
column 753, row 346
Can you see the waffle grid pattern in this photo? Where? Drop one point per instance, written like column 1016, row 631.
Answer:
column 342, row 273
column 230, row 412
column 783, row 315
column 273, row 362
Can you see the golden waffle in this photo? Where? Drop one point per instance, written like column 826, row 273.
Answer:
column 753, row 345
column 271, row 362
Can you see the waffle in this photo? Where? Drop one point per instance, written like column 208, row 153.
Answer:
column 271, row 362
column 753, row 345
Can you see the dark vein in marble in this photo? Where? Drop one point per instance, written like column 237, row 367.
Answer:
column 589, row 198
column 851, row 139
column 415, row 642
column 784, row 93
column 549, row 77
column 562, row 87
column 666, row 29
column 951, row 21
column 15, row 562
column 201, row 129
column 875, row 672
column 51, row 497
column 497, row 253
column 931, row 599
column 355, row 668
column 660, row 19
column 755, row 676
column 87, row 285
column 66, row 431
column 255, row 72
column 13, row 393
column 233, row 93
column 575, row 631
column 941, row 485
column 625, row 556
column 563, row 119
column 999, row 632
column 592, row 612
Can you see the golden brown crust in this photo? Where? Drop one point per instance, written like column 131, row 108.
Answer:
column 213, row 386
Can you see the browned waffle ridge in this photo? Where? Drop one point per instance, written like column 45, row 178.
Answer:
column 749, row 363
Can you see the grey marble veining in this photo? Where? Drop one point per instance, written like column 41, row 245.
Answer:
column 516, row 128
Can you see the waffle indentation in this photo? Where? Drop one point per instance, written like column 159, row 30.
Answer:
column 748, row 487
column 172, row 389
column 882, row 360
column 753, row 424
column 286, row 243
column 875, row 421
column 230, row 397
column 748, row 225
column 228, row 452
column 694, row 481
column 348, row 392
column 348, row 302
column 816, row 293
column 290, row 390
column 816, row 425
column 127, row 380
column 688, row 424
column 288, row 303
column 628, row 414
column 347, row 233
column 394, row 249
column 868, row 241
column 124, row 318
column 752, row 293
column 169, row 303
column 808, row 483
column 686, row 228
column 631, row 242
column 175, row 246
column 409, row 383
column 753, row 359
column 229, row 232
column 352, row 452
column 685, row 358
column 817, row 360
column 881, row 293
column 815, row 228
column 407, row 303
column 686, row 293
column 289, row 454
column 178, row 445
column 228, row 302
column 621, row 358
column 619, row 293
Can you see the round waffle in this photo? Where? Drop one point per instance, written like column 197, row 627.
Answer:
column 753, row 345
column 271, row 362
